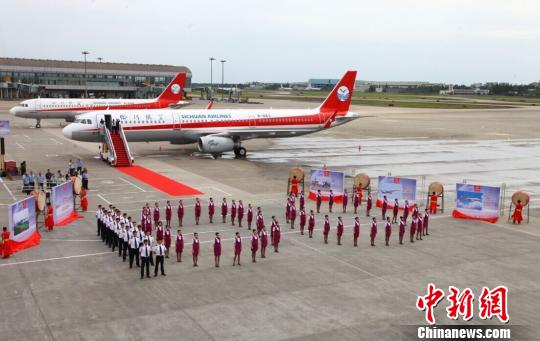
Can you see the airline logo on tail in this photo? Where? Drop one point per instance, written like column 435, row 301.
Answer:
column 175, row 89
column 343, row 93
column 173, row 92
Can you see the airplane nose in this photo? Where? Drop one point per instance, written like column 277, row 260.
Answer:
column 13, row 112
column 68, row 131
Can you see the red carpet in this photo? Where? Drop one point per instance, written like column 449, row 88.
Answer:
column 158, row 181
column 33, row 240
column 74, row 216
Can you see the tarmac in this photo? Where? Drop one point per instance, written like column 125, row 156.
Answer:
column 72, row 287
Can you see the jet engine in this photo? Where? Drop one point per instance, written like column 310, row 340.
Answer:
column 216, row 144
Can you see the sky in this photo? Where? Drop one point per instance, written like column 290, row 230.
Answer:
column 460, row 42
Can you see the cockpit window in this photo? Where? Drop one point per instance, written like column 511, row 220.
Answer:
column 89, row 121
column 78, row 120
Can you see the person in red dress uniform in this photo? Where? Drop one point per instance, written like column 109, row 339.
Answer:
column 345, row 200
column 168, row 215
column 84, row 200
column 326, row 229
column 288, row 210
column 237, row 248
column 276, row 234
column 211, row 210
column 240, row 212
column 369, row 203
column 356, row 230
column 330, row 201
column 233, row 212
column 156, row 213
column 339, row 230
column 49, row 220
column 249, row 216
column 303, row 219
column 254, row 245
column 294, row 186
column 292, row 215
column 224, row 209
column 419, row 227
column 180, row 212
column 426, row 223
column 179, row 245
column 433, row 203
column 517, row 216
column 302, row 201
column 6, row 243
column 412, row 232
column 406, row 211
column 401, row 229
column 264, row 242
column 356, row 202
column 217, row 249
column 167, row 240
column 198, row 210
column 384, row 207
column 373, row 232
column 311, row 223
column 387, row 231
column 159, row 231
column 195, row 248
column 319, row 201
column 260, row 219
column 395, row 211
column 415, row 211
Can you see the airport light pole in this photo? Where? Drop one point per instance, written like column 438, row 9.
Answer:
column 85, row 88
column 211, row 71
column 99, row 59
column 222, row 77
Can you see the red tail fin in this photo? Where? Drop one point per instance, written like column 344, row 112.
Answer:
column 339, row 99
column 173, row 92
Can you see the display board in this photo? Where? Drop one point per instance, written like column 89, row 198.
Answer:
column 4, row 127
column 326, row 180
column 394, row 187
column 22, row 224
column 62, row 201
column 477, row 202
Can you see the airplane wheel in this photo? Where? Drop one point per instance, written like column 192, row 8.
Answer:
column 242, row 152
column 216, row 156
column 38, row 123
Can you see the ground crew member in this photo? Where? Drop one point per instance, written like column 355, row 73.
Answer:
column 302, row 220
column 517, row 216
column 160, row 250
column 345, row 201
column 373, row 232
column 134, row 243
column 254, row 245
column 330, row 201
column 198, row 210
column 395, row 211
column 240, row 212
column 211, row 210
column 179, row 245
column 292, row 215
column 387, row 230
column 237, row 248
column 217, row 249
column 264, row 242
column 311, row 223
column 369, row 203
column 433, row 203
column 276, row 235
column 224, row 210
column 319, row 201
column 326, row 229
column 384, row 207
column 339, row 230
column 249, row 216
column 426, row 223
column 195, row 246
column 356, row 230
column 168, row 214
column 233, row 212
column 401, row 229
column 145, row 255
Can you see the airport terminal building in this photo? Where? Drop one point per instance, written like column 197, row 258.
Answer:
column 30, row 78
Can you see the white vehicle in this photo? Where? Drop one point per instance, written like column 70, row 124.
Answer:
column 220, row 130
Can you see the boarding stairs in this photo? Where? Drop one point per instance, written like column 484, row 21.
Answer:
column 118, row 154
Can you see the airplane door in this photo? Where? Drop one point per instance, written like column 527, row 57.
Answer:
column 108, row 121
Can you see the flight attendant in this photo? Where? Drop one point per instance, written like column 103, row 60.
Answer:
column 345, row 200
column 339, row 230
column 6, row 243
column 292, row 215
column 240, row 212
column 517, row 216
column 233, row 212
column 311, row 223
column 260, row 219
column 224, row 209
column 276, row 235
column 395, row 211
column 84, row 200
column 326, row 229
column 373, row 232
column 195, row 247
column 356, row 230
column 294, row 186
column 433, row 203
column 302, row 200
column 401, row 229
column 249, row 216
column 356, row 202
column 426, row 223
column 319, row 201
column 264, row 242
column 168, row 215
column 156, row 213
column 303, row 219
column 198, row 210
column 211, row 210
column 254, row 245
column 159, row 231
column 288, row 210
column 180, row 212
column 412, row 232
column 217, row 249
column 419, row 227
column 387, row 231
column 179, row 245
column 167, row 240
column 237, row 248
column 406, row 211
column 49, row 220
column 330, row 201
column 384, row 207
column 415, row 211
column 369, row 203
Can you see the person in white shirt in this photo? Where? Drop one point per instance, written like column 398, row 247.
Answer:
column 98, row 218
column 151, row 243
column 145, row 252
column 134, row 243
column 125, row 241
column 159, row 250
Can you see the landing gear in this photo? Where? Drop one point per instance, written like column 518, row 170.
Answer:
column 240, row 153
column 216, row 156
column 38, row 122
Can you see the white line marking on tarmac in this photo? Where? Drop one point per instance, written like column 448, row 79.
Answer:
column 28, row 137
column 132, row 184
column 19, row 145
column 7, row 189
column 222, row 191
column 71, row 240
column 56, row 141
column 56, row 258
column 102, row 198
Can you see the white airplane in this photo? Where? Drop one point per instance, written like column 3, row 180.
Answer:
column 68, row 108
column 221, row 130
